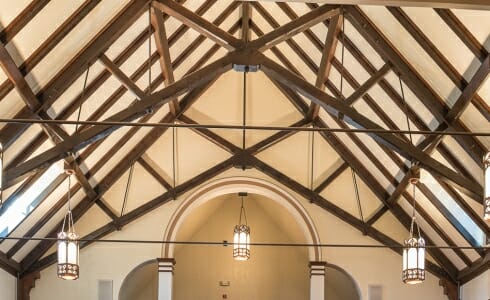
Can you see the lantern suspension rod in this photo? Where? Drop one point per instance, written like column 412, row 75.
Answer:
column 247, row 127
column 225, row 243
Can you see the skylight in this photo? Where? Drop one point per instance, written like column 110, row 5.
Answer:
column 13, row 214
column 458, row 214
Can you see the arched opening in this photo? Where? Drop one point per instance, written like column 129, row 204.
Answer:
column 339, row 285
column 141, row 283
column 270, row 273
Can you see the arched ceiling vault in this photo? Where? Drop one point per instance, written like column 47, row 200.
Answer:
column 302, row 50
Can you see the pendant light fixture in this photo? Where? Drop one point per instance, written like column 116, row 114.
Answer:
column 241, row 235
column 68, row 247
column 413, row 270
column 486, row 199
column 414, row 250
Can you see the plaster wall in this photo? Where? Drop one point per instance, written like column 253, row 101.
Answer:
column 115, row 261
column 478, row 288
column 7, row 286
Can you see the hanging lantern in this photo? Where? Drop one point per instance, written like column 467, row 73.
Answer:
column 413, row 270
column 68, row 247
column 241, row 236
column 413, row 260
column 486, row 199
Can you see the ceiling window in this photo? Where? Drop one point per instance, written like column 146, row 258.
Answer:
column 20, row 207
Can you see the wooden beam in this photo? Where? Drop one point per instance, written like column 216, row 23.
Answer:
column 478, row 267
column 125, row 80
column 163, row 49
column 140, row 211
column 246, row 15
column 334, row 106
column 84, row 138
column 463, row 33
column 366, row 86
column 294, row 27
column 113, row 176
column 198, row 23
column 338, row 212
column 459, row 4
column 411, row 78
column 331, row 42
column 151, row 167
column 21, row 20
column 211, row 136
column 90, row 53
column 331, row 177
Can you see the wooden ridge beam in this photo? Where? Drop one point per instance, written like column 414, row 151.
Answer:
column 198, row 23
column 457, row 4
column 294, row 27
column 163, row 48
column 331, row 42
column 334, row 106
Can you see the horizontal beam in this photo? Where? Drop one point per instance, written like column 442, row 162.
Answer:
column 198, row 23
column 82, row 139
column 459, row 4
column 354, row 118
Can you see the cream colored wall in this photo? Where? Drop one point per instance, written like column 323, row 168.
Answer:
column 7, row 286
column 271, row 273
column 115, row 261
column 477, row 289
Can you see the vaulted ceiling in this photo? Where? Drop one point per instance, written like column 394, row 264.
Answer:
column 320, row 66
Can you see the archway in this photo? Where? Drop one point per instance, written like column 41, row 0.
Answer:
column 141, row 283
column 233, row 185
column 339, row 285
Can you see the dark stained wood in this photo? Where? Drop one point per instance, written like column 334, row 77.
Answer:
column 125, row 80
column 90, row 53
column 334, row 106
column 276, row 137
column 411, row 78
column 26, row 284
column 10, row 68
column 377, row 189
column 294, row 27
column 150, row 167
column 451, row 290
column 88, row 136
column 22, row 19
column 246, row 15
column 198, row 23
column 210, row 136
column 9, row 265
column 163, row 49
column 113, row 176
column 461, row 104
column 142, row 210
column 477, row 268
column 453, row 220
column 364, row 88
column 463, row 33
column 331, row 41
column 338, row 212
column 330, row 178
